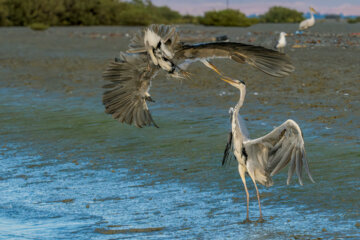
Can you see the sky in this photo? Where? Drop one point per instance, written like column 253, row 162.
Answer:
column 198, row 7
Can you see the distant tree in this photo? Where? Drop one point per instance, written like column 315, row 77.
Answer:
column 228, row 17
column 3, row 14
column 281, row 15
column 23, row 13
column 91, row 12
column 189, row 19
column 353, row 20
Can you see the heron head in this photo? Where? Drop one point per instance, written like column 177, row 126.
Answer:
column 283, row 34
column 236, row 83
column 157, row 47
column 313, row 10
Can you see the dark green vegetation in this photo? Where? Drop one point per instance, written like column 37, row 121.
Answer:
column 354, row 20
column 228, row 17
column 39, row 26
column 117, row 12
column 84, row 12
column 281, row 15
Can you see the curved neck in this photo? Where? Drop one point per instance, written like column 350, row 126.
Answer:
column 241, row 100
column 237, row 126
column 311, row 15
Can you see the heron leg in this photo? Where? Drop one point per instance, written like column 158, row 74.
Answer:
column 261, row 219
column 242, row 175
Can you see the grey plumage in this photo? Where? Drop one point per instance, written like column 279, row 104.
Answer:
column 269, row 61
column 266, row 156
column 129, row 78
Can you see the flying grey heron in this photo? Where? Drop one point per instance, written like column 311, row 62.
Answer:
column 281, row 44
column 158, row 47
column 307, row 23
column 264, row 157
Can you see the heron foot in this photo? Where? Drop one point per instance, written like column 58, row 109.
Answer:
column 260, row 220
column 246, row 221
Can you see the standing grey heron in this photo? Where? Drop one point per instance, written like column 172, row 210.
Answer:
column 307, row 23
column 264, row 157
column 158, row 47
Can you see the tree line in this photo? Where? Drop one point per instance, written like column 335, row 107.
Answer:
column 117, row 12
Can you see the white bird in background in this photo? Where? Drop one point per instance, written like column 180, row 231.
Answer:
column 307, row 23
column 281, row 44
column 264, row 157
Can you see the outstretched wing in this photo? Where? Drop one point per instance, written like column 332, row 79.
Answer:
column 282, row 146
column 130, row 80
column 229, row 148
column 267, row 60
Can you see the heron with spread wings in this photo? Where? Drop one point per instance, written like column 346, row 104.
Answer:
column 264, row 157
column 159, row 47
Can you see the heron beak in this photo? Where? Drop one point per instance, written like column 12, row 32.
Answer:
column 227, row 79
column 215, row 69
column 286, row 34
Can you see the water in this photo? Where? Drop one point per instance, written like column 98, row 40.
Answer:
column 70, row 171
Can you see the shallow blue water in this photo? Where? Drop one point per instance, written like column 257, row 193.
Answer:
column 73, row 172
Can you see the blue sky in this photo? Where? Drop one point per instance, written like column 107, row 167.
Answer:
column 198, row 7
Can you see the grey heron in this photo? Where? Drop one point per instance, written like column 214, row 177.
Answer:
column 264, row 157
column 159, row 47
column 307, row 23
column 281, row 44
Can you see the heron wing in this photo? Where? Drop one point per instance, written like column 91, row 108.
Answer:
column 130, row 80
column 166, row 32
column 269, row 61
column 282, row 146
column 229, row 148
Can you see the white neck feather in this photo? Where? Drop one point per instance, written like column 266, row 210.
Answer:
column 151, row 38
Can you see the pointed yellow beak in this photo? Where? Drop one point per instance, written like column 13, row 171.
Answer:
column 227, row 79
column 215, row 69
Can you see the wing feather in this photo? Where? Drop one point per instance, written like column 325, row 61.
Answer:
column 125, row 97
column 269, row 61
column 283, row 145
column 229, row 148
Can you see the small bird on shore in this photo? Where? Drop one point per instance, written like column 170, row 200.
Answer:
column 264, row 157
column 307, row 23
column 158, row 47
column 281, row 44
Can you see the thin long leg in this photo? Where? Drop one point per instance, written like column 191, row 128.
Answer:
column 242, row 175
column 258, row 197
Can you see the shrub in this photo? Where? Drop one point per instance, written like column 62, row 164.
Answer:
column 353, row 20
column 39, row 26
column 228, row 17
column 281, row 15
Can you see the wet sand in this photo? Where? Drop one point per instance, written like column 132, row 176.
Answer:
column 65, row 161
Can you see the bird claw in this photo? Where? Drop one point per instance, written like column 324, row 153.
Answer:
column 246, row 221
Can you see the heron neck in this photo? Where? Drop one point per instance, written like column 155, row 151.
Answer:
column 241, row 100
column 311, row 15
column 237, row 126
